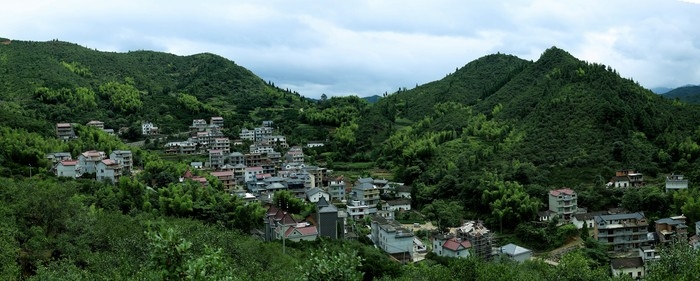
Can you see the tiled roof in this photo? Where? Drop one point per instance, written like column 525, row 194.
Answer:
column 626, row 262
column 302, row 230
column 109, row 162
column 69, row 162
column 514, row 250
column 454, row 244
column 557, row 192
column 222, row 174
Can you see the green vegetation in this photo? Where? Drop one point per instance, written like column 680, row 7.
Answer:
column 488, row 141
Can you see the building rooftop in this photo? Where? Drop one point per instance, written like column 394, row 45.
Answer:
column 620, row 263
column 562, row 191
column 514, row 250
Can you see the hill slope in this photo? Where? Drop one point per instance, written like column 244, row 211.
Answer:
column 689, row 94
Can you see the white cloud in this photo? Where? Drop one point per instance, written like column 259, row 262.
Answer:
column 369, row 47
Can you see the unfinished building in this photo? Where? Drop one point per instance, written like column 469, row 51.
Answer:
column 479, row 236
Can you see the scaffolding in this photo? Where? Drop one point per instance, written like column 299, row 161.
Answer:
column 479, row 236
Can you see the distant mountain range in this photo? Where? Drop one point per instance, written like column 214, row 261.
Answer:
column 688, row 93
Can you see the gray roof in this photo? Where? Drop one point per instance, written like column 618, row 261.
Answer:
column 626, row 262
column 313, row 191
column 274, row 186
column 364, row 186
column 328, row 209
column 603, row 218
column 514, row 250
column 365, row 180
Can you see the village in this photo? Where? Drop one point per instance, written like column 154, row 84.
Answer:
column 349, row 208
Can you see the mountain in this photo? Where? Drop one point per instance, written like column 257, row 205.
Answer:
column 372, row 99
column 660, row 90
column 689, row 94
column 48, row 82
column 553, row 122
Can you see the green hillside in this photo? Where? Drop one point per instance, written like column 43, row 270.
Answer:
column 63, row 82
column 689, row 94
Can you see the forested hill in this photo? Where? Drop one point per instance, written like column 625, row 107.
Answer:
column 557, row 121
column 63, row 82
column 689, row 94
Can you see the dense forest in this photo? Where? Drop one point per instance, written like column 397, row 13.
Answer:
column 488, row 141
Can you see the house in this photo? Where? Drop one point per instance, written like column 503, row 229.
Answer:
column 87, row 161
column 96, row 124
column 586, row 218
column 621, row 232
column 261, row 133
column 450, row 246
column 108, row 169
column 197, row 165
column 481, row 238
column 189, row 176
column 68, row 168
column 668, row 229
column 124, row 158
column 336, row 189
column 516, row 252
column 251, row 172
column 648, row 254
column 318, row 175
column 676, row 182
column 403, row 191
column 627, row 178
column 545, row 215
column 277, row 140
column 217, row 121
column 223, row 144
column 314, row 194
column 198, row 125
column 65, row 131
column 216, row 158
column 267, row 123
column 357, row 210
column 295, row 155
column 392, row 238
column 398, row 205
column 328, row 220
column 147, row 129
column 633, row 266
column 563, row 203
column 236, row 158
column 247, row 135
column 301, row 231
column 313, row 144
column 226, row 178
column 57, row 157
column 261, row 148
column 365, row 191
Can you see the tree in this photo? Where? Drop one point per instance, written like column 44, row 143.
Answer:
column 327, row 265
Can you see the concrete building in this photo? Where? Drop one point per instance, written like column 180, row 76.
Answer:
column 450, row 246
column 148, row 128
column 365, row 191
column 633, row 267
column 668, row 229
column 217, row 121
column 65, row 131
column 108, row 169
column 68, row 168
column 621, row 232
column 87, row 161
column 315, row 194
column 676, row 182
column 336, row 190
column 96, row 124
column 223, row 144
column 563, row 202
column 216, row 158
column 516, row 252
column 393, row 238
column 124, row 158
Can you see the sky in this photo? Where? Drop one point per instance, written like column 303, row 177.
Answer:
column 370, row 47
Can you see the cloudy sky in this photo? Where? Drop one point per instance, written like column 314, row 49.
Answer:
column 371, row 47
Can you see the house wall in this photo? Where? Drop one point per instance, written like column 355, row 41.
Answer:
column 635, row 272
column 314, row 198
column 66, row 171
column 105, row 173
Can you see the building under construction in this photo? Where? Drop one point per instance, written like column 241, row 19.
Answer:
column 479, row 236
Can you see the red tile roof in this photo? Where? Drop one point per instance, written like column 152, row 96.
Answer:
column 557, row 192
column 222, row 174
column 454, row 244
column 69, row 162
column 303, row 230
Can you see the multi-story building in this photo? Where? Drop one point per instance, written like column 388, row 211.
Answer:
column 450, row 246
column 65, row 131
column 336, row 190
column 124, row 158
column 357, row 210
column 108, row 169
column 223, row 144
column 261, row 148
column 277, row 140
column 254, row 159
column 365, row 191
column 217, row 121
column 97, row 124
column 246, row 134
column 628, row 178
column 87, row 161
column 563, row 202
column 198, row 125
column 295, row 155
column 216, row 158
column 148, row 128
column 262, row 132
column 393, row 238
column 676, row 182
column 67, row 168
column 621, row 232
column 235, row 158
column 671, row 228
column 226, row 178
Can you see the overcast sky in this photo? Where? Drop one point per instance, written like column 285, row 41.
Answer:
column 371, row 47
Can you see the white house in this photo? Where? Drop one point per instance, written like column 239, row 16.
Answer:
column 516, row 252
column 397, row 205
column 124, row 158
column 676, row 182
column 301, row 231
column 634, row 267
column 358, row 210
column 450, row 246
column 147, row 128
column 68, row 168
column 314, row 194
column 87, row 161
column 251, row 172
column 108, row 169
column 392, row 238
